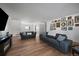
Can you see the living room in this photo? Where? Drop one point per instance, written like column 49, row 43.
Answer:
column 40, row 29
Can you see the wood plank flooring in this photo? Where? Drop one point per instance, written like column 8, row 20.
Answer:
column 31, row 47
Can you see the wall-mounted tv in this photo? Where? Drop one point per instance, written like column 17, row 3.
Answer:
column 3, row 20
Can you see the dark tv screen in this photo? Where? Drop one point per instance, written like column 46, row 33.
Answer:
column 3, row 20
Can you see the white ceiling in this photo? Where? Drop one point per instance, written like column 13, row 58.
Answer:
column 39, row 11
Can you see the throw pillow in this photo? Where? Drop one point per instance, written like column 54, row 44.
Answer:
column 61, row 38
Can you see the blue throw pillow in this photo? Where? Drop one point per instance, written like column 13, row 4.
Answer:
column 61, row 38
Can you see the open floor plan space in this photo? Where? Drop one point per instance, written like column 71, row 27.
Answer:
column 39, row 29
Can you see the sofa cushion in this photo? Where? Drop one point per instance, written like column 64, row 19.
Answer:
column 66, row 45
column 61, row 38
column 54, row 42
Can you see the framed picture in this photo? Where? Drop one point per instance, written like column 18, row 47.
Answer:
column 64, row 28
column 58, row 20
column 76, row 19
column 55, row 20
column 63, row 22
column 70, row 21
column 52, row 26
column 58, row 24
column 76, row 25
column 70, row 28
column 70, row 17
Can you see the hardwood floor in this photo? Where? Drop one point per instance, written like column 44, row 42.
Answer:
column 31, row 47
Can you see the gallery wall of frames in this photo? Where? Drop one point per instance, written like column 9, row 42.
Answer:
column 65, row 23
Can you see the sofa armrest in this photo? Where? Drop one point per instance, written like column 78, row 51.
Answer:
column 66, row 45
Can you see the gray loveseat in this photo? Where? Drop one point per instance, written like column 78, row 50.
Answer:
column 60, row 42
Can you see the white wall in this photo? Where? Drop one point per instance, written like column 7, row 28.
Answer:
column 42, row 28
column 15, row 26
column 71, row 34
column 32, row 27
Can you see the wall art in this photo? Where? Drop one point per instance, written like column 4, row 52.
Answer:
column 64, row 28
column 70, row 28
column 70, row 21
column 52, row 26
column 63, row 22
column 58, row 24
column 76, row 19
column 77, row 25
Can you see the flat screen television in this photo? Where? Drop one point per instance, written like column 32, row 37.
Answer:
column 3, row 20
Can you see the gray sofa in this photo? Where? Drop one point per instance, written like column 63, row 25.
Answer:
column 60, row 42
column 27, row 35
